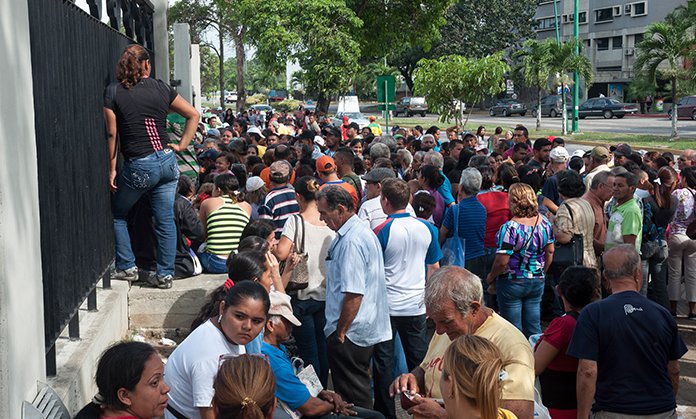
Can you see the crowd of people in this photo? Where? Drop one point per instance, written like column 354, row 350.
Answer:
column 368, row 270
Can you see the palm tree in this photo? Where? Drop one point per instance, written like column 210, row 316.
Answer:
column 564, row 60
column 664, row 49
column 533, row 62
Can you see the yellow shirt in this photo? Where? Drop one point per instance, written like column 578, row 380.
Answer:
column 511, row 342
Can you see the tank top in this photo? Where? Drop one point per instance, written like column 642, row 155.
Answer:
column 225, row 226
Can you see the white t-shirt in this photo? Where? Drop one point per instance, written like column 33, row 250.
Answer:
column 192, row 367
column 371, row 211
column 317, row 242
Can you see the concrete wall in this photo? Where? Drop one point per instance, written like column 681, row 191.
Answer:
column 22, row 360
column 182, row 60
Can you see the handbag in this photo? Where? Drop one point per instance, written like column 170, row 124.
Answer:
column 299, row 278
column 571, row 253
column 454, row 247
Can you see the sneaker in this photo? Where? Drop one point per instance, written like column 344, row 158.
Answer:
column 161, row 282
column 130, row 274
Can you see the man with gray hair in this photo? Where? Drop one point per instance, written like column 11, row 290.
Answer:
column 433, row 158
column 468, row 219
column 626, row 344
column 357, row 313
column 453, row 301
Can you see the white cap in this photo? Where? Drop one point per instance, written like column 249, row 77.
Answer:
column 559, row 155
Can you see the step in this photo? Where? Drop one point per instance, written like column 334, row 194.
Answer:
column 171, row 311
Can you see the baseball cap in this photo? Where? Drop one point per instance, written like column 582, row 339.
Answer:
column 255, row 130
column 379, row 174
column 623, row 150
column 280, row 306
column 209, row 154
column 599, row 152
column 325, row 164
column 279, row 169
column 559, row 155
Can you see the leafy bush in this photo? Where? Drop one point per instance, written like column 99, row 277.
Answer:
column 287, row 105
column 256, row 99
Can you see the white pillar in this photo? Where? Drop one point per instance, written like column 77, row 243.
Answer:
column 161, row 37
column 22, row 358
column 196, row 76
column 182, row 59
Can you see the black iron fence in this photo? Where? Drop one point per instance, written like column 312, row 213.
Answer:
column 74, row 56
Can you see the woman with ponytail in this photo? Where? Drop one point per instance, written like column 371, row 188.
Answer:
column 244, row 389
column 473, row 373
column 135, row 110
column 224, row 217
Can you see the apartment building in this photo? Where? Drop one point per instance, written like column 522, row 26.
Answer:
column 609, row 30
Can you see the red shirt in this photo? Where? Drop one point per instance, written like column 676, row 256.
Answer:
column 558, row 335
column 497, row 214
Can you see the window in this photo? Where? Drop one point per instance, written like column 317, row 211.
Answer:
column 582, row 17
column 546, row 23
column 639, row 9
column 602, row 44
column 604, row 15
column 637, row 38
column 617, row 42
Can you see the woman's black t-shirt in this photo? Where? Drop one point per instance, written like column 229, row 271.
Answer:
column 141, row 115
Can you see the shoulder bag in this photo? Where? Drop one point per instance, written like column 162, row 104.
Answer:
column 299, row 279
column 454, row 247
column 569, row 254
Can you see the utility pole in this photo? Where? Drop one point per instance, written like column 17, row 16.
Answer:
column 576, row 96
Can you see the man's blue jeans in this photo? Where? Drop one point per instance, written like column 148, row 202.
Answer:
column 310, row 338
column 519, row 302
column 156, row 174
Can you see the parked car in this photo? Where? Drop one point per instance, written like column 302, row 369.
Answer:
column 552, row 105
column 356, row 117
column 686, row 108
column 410, row 106
column 507, row 107
column 266, row 108
column 606, row 107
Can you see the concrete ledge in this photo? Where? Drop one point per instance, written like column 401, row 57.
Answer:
column 77, row 360
column 172, row 310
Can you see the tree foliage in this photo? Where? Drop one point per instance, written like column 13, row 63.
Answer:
column 449, row 81
column 473, row 28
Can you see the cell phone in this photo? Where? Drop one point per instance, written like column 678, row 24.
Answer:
column 407, row 400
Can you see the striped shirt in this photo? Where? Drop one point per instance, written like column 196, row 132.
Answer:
column 280, row 204
column 225, row 226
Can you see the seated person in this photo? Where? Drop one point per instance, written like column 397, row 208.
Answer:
column 130, row 379
column 244, row 388
column 290, row 391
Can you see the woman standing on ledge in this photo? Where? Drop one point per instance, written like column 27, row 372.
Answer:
column 135, row 109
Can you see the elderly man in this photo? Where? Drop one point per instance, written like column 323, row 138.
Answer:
column 628, row 348
column 453, row 300
column 433, row 158
column 357, row 313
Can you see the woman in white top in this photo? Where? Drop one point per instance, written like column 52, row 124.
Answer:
column 192, row 367
column 309, row 303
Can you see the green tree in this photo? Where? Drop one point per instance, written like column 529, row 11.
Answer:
column 533, row 63
column 562, row 61
column 665, row 47
column 450, row 81
column 473, row 28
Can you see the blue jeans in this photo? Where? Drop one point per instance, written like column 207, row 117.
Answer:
column 310, row 338
column 213, row 264
column 519, row 302
column 156, row 174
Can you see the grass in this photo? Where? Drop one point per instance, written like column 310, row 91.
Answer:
column 637, row 141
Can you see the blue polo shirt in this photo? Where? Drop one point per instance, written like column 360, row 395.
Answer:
column 289, row 388
column 471, row 226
